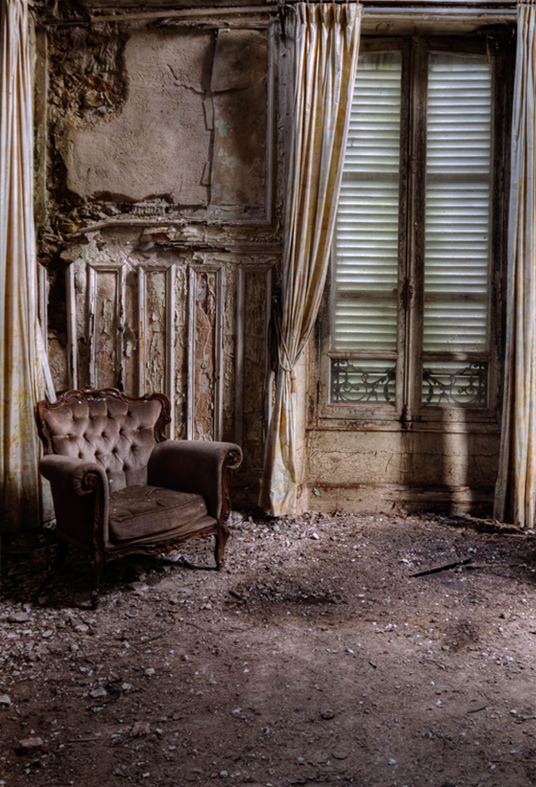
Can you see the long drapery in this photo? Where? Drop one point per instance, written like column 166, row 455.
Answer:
column 516, row 482
column 21, row 362
column 325, row 43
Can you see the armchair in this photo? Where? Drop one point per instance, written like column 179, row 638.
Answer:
column 120, row 487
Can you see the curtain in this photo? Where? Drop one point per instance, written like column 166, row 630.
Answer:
column 516, row 481
column 22, row 362
column 324, row 40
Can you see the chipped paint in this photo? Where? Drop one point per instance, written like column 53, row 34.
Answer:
column 106, row 326
column 240, row 96
column 119, row 269
column 222, row 128
column 255, row 346
column 156, row 331
column 205, row 367
column 181, row 351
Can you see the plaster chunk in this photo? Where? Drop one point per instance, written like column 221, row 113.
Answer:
column 159, row 143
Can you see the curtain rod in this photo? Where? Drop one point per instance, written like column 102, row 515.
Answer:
column 369, row 11
column 173, row 13
column 441, row 11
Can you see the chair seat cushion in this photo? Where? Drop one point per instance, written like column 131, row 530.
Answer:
column 141, row 511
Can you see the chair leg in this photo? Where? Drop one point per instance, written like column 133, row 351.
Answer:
column 221, row 541
column 98, row 568
column 61, row 554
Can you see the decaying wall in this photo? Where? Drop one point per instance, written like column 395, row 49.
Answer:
column 160, row 237
column 161, row 140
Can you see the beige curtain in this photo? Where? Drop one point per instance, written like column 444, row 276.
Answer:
column 22, row 365
column 324, row 40
column 516, row 482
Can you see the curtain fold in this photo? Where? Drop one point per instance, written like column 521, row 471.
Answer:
column 516, row 481
column 325, row 42
column 22, row 362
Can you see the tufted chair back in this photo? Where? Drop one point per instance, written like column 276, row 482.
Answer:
column 106, row 427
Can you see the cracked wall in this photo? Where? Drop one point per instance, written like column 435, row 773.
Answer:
column 164, row 154
column 163, row 196
column 151, row 120
column 359, row 469
column 156, row 144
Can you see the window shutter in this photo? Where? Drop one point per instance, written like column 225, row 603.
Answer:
column 365, row 270
column 458, row 203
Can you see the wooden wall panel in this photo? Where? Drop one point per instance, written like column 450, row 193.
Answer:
column 180, row 330
column 205, row 335
column 253, row 316
column 159, row 325
column 106, row 298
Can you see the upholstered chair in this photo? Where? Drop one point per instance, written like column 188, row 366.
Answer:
column 120, row 487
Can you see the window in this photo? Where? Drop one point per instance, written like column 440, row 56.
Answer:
column 414, row 301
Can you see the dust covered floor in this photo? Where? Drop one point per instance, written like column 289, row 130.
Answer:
column 314, row 658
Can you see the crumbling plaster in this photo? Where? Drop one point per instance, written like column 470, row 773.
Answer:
column 161, row 232
column 163, row 200
column 156, row 144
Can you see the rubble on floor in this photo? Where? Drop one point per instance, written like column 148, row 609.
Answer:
column 317, row 656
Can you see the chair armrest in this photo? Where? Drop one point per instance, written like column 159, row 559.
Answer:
column 68, row 474
column 79, row 518
column 196, row 466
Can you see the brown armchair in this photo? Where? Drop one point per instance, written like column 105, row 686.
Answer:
column 120, row 487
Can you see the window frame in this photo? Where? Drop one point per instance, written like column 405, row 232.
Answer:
column 408, row 408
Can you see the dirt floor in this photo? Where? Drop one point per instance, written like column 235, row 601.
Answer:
column 316, row 657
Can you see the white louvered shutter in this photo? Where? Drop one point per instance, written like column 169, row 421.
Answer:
column 457, row 235
column 458, row 203
column 365, row 271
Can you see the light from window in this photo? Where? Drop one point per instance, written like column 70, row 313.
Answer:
column 380, row 283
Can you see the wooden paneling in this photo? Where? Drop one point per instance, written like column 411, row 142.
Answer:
column 205, row 357
column 254, row 292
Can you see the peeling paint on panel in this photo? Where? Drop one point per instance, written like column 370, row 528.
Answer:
column 229, row 272
column 205, row 327
column 158, row 144
column 240, row 95
column 254, row 366
column 181, row 353
column 155, row 339
column 130, row 338
column 106, row 327
column 82, row 330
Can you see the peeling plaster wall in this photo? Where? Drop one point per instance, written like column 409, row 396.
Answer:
column 162, row 231
column 381, row 471
column 238, row 87
column 162, row 173
column 156, row 145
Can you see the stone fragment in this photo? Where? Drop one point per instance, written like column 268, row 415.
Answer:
column 100, row 692
column 18, row 617
column 30, row 745
column 140, row 728
column 478, row 706
column 139, row 588
column 5, row 700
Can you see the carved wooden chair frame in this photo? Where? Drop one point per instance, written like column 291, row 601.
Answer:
column 90, row 482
